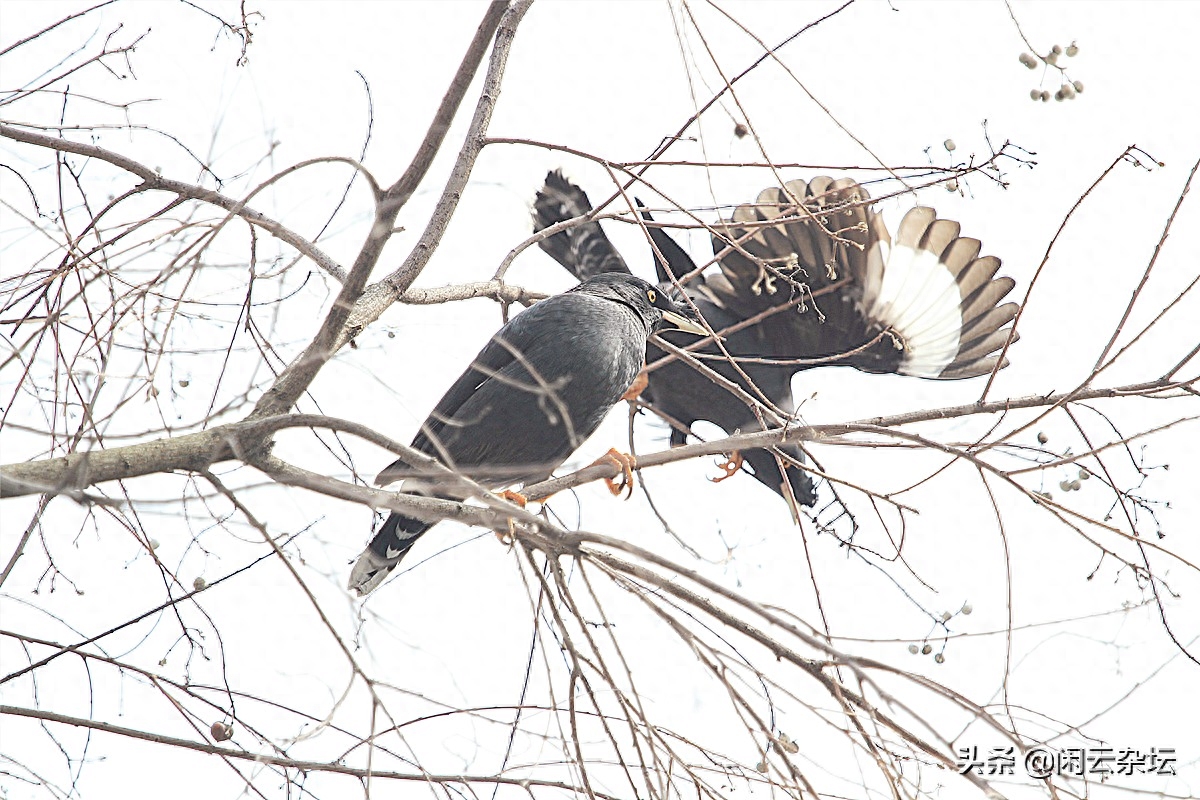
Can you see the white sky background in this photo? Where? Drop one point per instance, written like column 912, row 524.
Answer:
column 610, row 79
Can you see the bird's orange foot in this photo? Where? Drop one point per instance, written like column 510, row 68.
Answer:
column 730, row 467
column 508, row 536
column 639, row 384
column 626, row 463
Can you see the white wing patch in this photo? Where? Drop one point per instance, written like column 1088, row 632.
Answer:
column 920, row 299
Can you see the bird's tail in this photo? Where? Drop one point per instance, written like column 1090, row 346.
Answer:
column 583, row 249
column 931, row 287
column 389, row 546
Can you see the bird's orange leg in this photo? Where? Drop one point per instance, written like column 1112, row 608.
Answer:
column 730, row 467
column 512, row 497
column 637, row 387
column 626, row 463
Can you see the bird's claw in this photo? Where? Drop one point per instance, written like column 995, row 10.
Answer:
column 730, row 467
column 624, row 462
column 509, row 536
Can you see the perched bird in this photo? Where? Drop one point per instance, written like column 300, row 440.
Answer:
column 814, row 271
column 535, row 392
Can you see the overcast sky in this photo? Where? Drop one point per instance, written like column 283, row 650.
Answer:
column 612, row 79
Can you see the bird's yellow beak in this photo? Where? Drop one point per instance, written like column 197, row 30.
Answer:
column 684, row 324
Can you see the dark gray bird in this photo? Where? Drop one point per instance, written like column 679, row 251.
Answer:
column 535, row 392
column 816, row 269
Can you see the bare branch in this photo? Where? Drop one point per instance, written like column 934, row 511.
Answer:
column 339, row 327
column 152, row 181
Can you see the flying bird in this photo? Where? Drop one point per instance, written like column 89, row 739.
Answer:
column 533, row 394
column 807, row 275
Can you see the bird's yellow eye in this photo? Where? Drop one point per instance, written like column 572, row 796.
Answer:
column 651, row 295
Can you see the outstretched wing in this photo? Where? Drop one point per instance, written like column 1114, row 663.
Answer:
column 926, row 305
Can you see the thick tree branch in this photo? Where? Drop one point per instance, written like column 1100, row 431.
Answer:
column 496, row 290
column 334, row 332
column 380, row 296
column 197, row 451
column 68, row 474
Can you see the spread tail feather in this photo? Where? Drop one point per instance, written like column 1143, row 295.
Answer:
column 389, row 546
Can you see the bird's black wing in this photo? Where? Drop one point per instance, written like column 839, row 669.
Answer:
column 584, row 249
column 495, row 359
column 491, row 360
column 519, row 410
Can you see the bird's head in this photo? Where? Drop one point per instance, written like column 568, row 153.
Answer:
column 651, row 303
